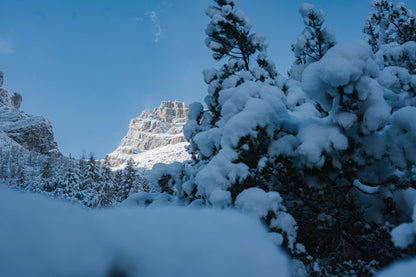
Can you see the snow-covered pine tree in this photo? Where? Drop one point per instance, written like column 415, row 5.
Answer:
column 348, row 160
column 20, row 182
column 392, row 35
column 93, row 171
column 228, row 35
column 4, row 164
column 118, row 185
column 82, row 165
column 89, row 176
column 72, row 181
column 389, row 23
column 231, row 140
column 105, row 197
column 145, row 186
column 46, row 171
column 92, row 181
column 107, row 193
column 398, row 73
column 391, row 31
column 106, row 173
column 129, row 179
column 313, row 42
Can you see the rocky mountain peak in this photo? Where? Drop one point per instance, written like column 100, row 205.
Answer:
column 31, row 132
column 171, row 110
column 7, row 98
column 152, row 130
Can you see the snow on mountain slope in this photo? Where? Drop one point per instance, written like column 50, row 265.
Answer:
column 165, row 154
column 7, row 143
column 154, row 137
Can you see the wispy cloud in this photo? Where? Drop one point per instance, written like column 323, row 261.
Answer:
column 155, row 21
column 6, row 46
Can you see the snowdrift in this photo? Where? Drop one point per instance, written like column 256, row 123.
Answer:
column 45, row 237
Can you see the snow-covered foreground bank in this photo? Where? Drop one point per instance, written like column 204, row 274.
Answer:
column 45, row 237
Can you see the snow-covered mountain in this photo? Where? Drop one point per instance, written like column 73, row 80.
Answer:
column 31, row 132
column 153, row 137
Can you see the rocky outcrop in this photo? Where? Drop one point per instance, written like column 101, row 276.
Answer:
column 171, row 112
column 153, row 130
column 32, row 132
column 7, row 98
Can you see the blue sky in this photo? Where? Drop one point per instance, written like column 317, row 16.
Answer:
column 91, row 66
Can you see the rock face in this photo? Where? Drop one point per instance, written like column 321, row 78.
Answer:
column 7, row 98
column 32, row 132
column 152, row 132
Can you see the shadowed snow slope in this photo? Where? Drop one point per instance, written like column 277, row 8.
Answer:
column 45, row 237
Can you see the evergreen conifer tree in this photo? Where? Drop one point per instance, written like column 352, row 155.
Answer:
column 71, row 181
column 105, row 197
column 313, row 42
column 129, row 179
column 389, row 23
column 4, row 165
column 20, row 182
column 107, row 193
column 229, row 33
column 46, row 171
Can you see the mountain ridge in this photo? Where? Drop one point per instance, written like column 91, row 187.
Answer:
column 31, row 132
column 153, row 137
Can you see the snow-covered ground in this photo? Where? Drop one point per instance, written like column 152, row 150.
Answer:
column 45, row 237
